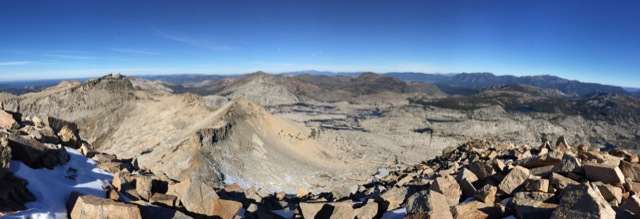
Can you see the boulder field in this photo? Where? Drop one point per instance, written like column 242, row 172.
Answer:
column 478, row 179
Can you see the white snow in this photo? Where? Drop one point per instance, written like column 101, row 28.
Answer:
column 52, row 188
column 395, row 214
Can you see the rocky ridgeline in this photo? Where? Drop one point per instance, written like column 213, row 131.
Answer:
column 479, row 179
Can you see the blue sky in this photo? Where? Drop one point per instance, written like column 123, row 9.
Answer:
column 593, row 41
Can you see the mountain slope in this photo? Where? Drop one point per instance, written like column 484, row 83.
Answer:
column 183, row 136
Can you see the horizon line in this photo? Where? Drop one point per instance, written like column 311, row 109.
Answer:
column 293, row 72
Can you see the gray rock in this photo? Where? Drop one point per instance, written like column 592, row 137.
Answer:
column 537, row 185
column 536, row 196
column 144, row 186
column 429, row 203
column 32, row 152
column 481, row 169
column 569, row 164
column 560, row 182
column 582, row 201
column 532, row 209
column 632, row 204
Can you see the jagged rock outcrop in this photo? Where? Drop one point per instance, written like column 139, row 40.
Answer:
column 34, row 153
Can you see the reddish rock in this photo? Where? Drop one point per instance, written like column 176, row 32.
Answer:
column 610, row 193
column 7, row 121
column 112, row 166
column 466, row 178
column 69, row 138
column 368, row 211
column 315, row 210
column 544, row 171
column 475, row 210
column 163, row 199
column 343, row 210
column 604, row 172
column 234, row 188
column 447, row 186
column 302, row 192
column 89, row 206
column 113, row 195
column 549, row 159
column 393, row 198
column 70, row 133
column 224, row 209
column 514, row 180
column 194, row 194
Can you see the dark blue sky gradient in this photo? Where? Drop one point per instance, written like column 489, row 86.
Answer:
column 593, row 41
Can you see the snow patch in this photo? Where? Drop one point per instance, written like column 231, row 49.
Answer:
column 52, row 188
column 395, row 214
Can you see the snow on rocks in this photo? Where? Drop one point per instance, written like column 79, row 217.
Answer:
column 53, row 187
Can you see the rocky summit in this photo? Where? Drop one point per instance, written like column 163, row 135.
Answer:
column 478, row 179
column 122, row 147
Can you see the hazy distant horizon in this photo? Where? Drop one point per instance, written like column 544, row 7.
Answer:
column 286, row 72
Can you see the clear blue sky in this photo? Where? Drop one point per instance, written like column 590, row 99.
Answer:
column 593, row 41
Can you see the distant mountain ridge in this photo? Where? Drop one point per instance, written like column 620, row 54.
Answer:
column 482, row 80
column 289, row 89
column 450, row 83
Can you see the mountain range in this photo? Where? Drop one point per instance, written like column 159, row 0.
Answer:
column 451, row 83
